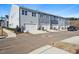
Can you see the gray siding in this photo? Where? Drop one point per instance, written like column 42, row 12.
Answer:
column 34, row 22
column 28, row 19
column 44, row 20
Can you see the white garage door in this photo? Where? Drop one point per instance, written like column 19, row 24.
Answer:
column 29, row 27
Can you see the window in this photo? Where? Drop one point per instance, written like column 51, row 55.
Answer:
column 41, row 15
column 22, row 12
column 54, row 22
column 25, row 12
column 34, row 14
column 47, row 16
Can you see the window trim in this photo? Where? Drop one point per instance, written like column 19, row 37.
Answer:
column 41, row 15
column 25, row 12
column 22, row 12
column 34, row 14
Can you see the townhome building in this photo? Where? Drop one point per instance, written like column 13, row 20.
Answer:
column 4, row 21
column 32, row 20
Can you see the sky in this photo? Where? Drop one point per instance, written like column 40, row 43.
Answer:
column 64, row 10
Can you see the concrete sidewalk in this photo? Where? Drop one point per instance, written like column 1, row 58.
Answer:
column 49, row 50
column 42, row 32
column 9, row 33
column 72, row 40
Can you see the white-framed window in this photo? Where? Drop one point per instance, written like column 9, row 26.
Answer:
column 22, row 12
column 34, row 14
column 25, row 12
column 47, row 16
column 54, row 21
column 41, row 15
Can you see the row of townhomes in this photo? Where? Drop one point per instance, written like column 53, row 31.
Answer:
column 32, row 20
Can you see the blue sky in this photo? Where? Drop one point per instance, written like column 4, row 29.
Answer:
column 65, row 10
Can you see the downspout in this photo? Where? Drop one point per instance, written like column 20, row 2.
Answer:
column 19, row 18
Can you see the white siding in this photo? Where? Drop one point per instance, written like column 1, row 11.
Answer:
column 14, row 17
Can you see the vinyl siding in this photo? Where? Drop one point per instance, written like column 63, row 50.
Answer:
column 14, row 17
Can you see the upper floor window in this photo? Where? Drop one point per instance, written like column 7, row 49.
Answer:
column 47, row 16
column 34, row 14
column 41, row 15
column 25, row 12
column 22, row 12
column 54, row 21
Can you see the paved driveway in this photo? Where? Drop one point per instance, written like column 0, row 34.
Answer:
column 49, row 50
column 25, row 43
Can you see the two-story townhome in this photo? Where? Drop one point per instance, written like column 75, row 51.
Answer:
column 35, row 20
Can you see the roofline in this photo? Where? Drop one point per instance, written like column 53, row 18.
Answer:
column 39, row 11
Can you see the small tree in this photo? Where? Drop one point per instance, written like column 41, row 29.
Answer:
column 18, row 29
column 72, row 18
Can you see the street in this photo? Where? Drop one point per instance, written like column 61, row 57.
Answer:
column 25, row 43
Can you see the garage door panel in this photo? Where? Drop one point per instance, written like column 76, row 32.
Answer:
column 29, row 27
